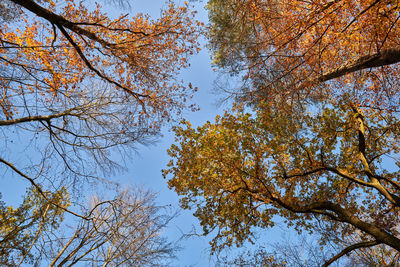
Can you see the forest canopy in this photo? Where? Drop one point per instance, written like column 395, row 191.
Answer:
column 79, row 90
column 316, row 48
column 313, row 136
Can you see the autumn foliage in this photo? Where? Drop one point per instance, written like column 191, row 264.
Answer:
column 77, row 82
column 80, row 88
column 318, row 146
column 294, row 47
column 59, row 50
column 325, row 167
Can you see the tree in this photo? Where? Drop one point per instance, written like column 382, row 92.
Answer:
column 125, row 231
column 76, row 82
column 378, row 256
column 322, row 165
column 78, row 90
column 305, row 252
column 309, row 48
column 20, row 228
column 256, row 258
column 299, row 61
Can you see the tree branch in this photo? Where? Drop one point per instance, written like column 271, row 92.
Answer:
column 59, row 20
column 343, row 215
column 39, row 189
column 37, row 118
column 63, row 23
column 349, row 249
column 374, row 182
column 382, row 58
column 90, row 66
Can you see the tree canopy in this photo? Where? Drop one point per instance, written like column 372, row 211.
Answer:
column 294, row 47
column 77, row 84
column 79, row 88
column 20, row 228
column 319, row 146
column 124, row 231
column 324, row 165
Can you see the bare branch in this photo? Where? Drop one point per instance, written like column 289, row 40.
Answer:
column 349, row 249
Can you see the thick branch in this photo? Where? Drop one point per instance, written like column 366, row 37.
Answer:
column 36, row 118
column 361, row 147
column 382, row 58
column 343, row 215
column 58, row 20
column 350, row 249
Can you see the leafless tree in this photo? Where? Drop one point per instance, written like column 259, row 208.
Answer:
column 125, row 231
